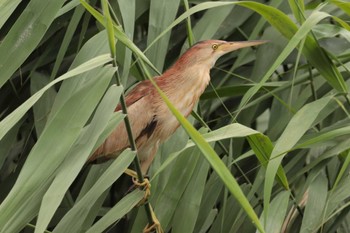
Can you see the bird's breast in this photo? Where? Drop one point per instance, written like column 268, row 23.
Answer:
column 183, row 94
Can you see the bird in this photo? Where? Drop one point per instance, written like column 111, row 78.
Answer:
column 151, row 121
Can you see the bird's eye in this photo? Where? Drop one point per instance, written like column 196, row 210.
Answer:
column 215, row 46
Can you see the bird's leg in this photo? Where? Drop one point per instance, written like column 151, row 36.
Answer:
column 147, row 188
column 155, row 226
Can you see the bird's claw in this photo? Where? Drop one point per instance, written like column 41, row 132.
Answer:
column 155, row 226
column 145, row 185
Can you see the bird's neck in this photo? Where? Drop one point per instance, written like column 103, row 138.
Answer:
column 195, row 78
column 184, row 85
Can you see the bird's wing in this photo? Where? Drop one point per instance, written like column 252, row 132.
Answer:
column 142, row 119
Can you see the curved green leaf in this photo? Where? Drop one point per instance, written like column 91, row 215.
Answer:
column 7, row 123
column 296, row 128
column 25, row 35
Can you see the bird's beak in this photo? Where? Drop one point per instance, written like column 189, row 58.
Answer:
column 234, row 45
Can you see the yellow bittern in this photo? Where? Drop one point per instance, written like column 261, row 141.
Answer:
column 151, row 120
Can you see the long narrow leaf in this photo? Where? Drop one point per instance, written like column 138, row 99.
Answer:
column 114, row 171
column 76, row 158
column 25, row 35
column 296, row 128
column 7, row 123
column 118, row 211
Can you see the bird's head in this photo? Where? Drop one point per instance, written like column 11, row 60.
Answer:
column 208, row 51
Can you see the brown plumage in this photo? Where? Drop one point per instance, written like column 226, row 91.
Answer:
column 151, row 120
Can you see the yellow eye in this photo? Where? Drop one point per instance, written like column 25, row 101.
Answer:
column 215, row 46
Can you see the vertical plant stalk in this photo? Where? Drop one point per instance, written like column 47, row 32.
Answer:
column 133, row 147
column 188, row 25
column 128, row 127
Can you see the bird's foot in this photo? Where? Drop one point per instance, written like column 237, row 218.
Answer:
column 145, row 185
column 155, row 226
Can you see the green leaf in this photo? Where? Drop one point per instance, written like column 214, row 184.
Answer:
column 187, row 212
column 345, row 6
column 296, row 128
column 71, row 29
column 93, row 48
column 185, row 170
column 162, row 14
column 76, row 158
column 315, row 204
column 231, row 91
column 343, row 169
column 262, row 147
column 9, row 144
column 7, row 123
column 234, row 130
column 64, row 126
column 298, row 9
column 73, row 220
column 277, row 214
column 43, row 106
column 315, row 55
column 119, row 34
column 25, row 35
column 118, row 211
column 6, row 9
column 68, row 7
column 109, row 27
column 127, row 10
column 39, row 167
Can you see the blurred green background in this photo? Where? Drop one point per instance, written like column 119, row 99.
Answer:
column 276, row 115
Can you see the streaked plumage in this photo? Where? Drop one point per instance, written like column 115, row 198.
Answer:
column 151, row 120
